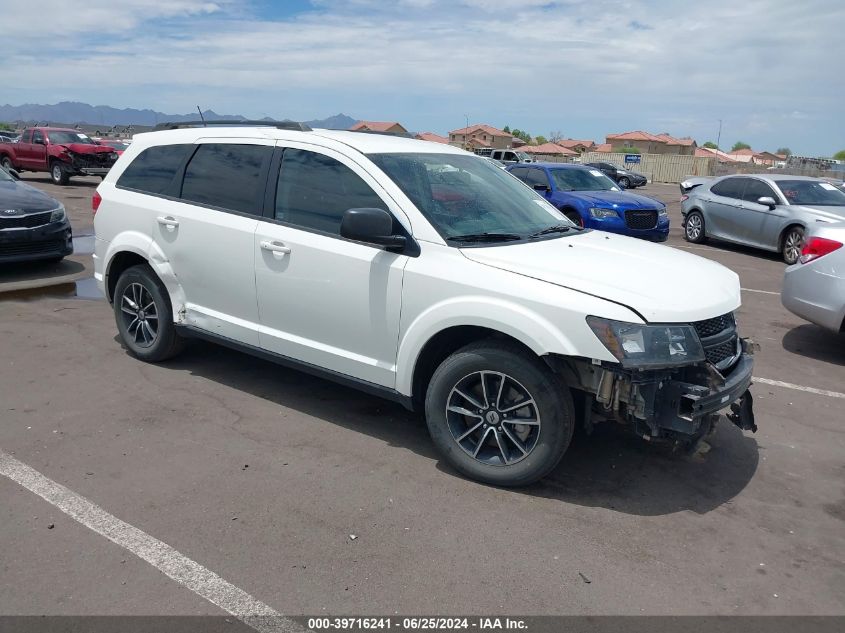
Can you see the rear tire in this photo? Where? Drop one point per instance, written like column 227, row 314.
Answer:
column 793, row 242
column 474, row 418
column 144, row 316
column 694, row 227
column 59, row 173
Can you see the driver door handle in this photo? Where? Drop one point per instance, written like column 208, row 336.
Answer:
column 274, row 247
column 168, row 221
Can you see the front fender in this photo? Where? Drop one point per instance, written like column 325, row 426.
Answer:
column 512, row 319
column 140, row 244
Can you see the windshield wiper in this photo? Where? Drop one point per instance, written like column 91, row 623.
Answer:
column 484, row 237
column 557, row 228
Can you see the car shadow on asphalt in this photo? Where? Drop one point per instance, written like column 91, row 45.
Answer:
column 815, row 342
column 39, row 270
column 611, row 468
column 741, row 249
column 44, row 178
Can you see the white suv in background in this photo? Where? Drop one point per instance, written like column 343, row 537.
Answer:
column 421, row 273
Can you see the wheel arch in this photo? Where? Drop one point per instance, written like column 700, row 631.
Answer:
column 132, row 248
column 447, row 327
column 785, row 230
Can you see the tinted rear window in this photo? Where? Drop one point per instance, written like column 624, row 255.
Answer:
column 228, row 176
column 730, row 187
column 154, row 168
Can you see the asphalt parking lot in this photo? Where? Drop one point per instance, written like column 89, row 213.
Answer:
column 316, row 499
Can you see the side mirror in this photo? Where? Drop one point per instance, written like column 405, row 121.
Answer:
column 767, row 201
column 374, row 226
column 542, row 188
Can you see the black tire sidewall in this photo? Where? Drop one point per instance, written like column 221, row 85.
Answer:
column 550, row 393
column 162, row 348
column 63, row 178
column 624, row 182
column 7, row 163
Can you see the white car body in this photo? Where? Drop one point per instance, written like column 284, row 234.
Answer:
column 366, row 314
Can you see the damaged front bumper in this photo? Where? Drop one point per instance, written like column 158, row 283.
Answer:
column 681, row 403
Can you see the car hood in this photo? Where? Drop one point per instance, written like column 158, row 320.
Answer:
column 616, row 199
column 834, row 214
column 663, row 284
column 24, row 199
column 83, row 148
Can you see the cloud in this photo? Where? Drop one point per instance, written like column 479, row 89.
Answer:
column 536, row 64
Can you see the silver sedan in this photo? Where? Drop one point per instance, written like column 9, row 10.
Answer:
column 814, row 288
column 770, row 212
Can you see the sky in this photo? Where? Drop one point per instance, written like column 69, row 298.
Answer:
column 770, row 70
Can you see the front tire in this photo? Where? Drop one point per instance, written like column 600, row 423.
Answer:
column 59, row 173
column 144, row 316
column 694, row 227
column 624, row 183
column 793, row 242
column 7, row 163
column 498, row 415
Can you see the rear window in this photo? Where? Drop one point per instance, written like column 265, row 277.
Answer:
column 228, row 176
column 729, row 188
column 153, row 170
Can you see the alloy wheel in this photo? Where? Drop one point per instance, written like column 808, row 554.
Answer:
column 693, row 227
column 792, row 246
column 140, row 315
column 493, row 418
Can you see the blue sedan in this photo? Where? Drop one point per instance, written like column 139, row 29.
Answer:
column 592, row 200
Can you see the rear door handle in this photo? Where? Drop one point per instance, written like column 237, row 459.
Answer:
column 275, row 247
column 168, row 221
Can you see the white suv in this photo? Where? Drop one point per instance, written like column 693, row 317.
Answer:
column 421, row 273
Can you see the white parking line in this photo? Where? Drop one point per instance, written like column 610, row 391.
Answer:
column 200, row 580
column 763, row 292
column 789, row 385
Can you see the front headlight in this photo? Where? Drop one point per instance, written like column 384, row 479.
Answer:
column 603, row 213
column 663, row 211
column 58, row 214
column 648, row 346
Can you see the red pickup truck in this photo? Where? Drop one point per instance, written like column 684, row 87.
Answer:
column 61, row 152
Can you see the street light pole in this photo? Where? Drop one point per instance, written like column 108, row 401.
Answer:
column 719, row 136
column 466, row 132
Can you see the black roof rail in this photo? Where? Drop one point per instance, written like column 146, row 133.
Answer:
column 379, row 132
column 281, row 125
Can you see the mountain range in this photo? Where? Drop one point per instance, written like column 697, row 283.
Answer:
column 73, row 112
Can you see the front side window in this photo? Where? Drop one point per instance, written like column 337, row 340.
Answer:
column 37, row 136
column 314, row 191
column 812, row 192
column 470, row 200
column 577, row 179
column 153, row 170
column 537, row 177
column 756, row 189
column 227, row 175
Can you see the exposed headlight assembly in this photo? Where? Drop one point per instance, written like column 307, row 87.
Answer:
column 603, row 213
column 58, row 214
column 648, row 346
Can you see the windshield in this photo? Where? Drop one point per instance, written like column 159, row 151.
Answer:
column 465, row 196
column 582, row 180
column 63, row 138
column 811, row 192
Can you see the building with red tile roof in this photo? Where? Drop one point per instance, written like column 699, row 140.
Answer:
column 548, row 149
column 480, row 135
column 379, row 126
column 431, row 136
column 649, row 143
